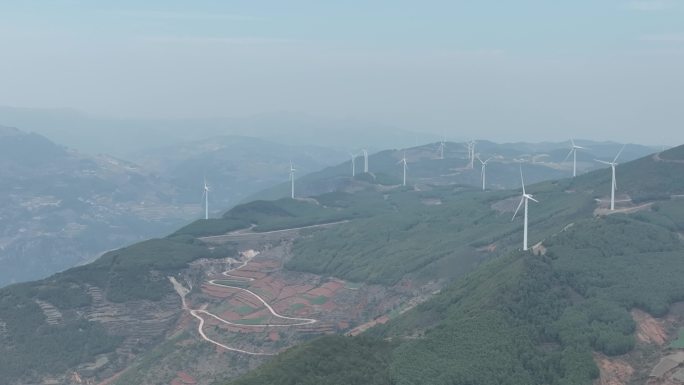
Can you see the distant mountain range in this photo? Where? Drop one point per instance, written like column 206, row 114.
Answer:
column 123, row 137
column 61, row 207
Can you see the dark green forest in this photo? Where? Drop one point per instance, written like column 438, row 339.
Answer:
column 327, row 360
column 524, row 318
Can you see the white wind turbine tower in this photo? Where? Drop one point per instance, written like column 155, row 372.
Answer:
column 484, row 171
column 403, row 161
column 353, row 164
column 292, row 178
column 525, row 197
column 613, row 184
column 471, row 153
column 365, row 160
column 442, row 144
column 573, row 151
column 205, row 195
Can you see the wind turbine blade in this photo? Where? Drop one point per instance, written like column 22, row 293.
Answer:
column 522, row 180
column 602, row 161
column 618, row 154
column 518, row 209
column 532, row 199
column 569, row 153
column 490, row 158
column 572, row 141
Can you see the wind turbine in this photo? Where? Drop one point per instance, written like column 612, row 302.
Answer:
column 525, row 197
column 484, row 170
column 442, row 144
column 613, row 185
column 403, row 161
column 292, row 178
column 573, row 151
column 353, row 163
column 365, row 160
column 471, row 153
column 205, row 195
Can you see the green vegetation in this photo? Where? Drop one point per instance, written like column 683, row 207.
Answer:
column 379, row 178
column 281, row 214
column 137, row 371
column 675, row 153
column 242, row 310
column 643, row 179
column 139, row 271
column 525, row 319
column 679, row 342
column 517, row 319
column 551, row 312
column 419, row 239
column 251, row 321
column 51, row 348
column 520, row 318
column 320, row 300
column 332, row 360
column 212, row 226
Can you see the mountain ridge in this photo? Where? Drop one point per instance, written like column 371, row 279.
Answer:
column 134, row 278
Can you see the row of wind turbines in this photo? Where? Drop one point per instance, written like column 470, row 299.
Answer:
column 525, row 198
column 470, row 146
column 528, row 197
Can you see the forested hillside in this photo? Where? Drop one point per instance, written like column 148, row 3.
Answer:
column 544, row 313
column 538, row 318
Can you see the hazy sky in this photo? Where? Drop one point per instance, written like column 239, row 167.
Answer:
column 488, row 69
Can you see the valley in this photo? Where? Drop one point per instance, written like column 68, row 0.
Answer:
column 63, row 208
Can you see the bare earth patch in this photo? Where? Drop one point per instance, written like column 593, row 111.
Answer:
column 649, row 329
column 630, row 209
column 613, row 371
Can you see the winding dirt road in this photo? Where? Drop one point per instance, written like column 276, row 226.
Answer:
column 182, row 292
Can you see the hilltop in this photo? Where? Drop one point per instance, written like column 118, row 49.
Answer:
column 542, row 162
